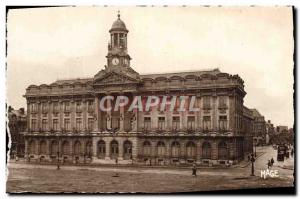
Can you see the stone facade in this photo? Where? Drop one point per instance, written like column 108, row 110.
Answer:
column 260, row 130
column 65, row 121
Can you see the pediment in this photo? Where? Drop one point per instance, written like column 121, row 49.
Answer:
column 114, row 78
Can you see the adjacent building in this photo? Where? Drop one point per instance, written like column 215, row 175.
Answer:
column 17, row 124
column 65, row 120
column 259, row 128
column 270, row 131
column 248, row 126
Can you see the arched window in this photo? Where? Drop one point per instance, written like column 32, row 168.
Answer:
column 127, row 150
column 89, row 149
column 101, row 149
column 161, row 149
column 66, row 148
column 31, row 149
column 190, row 149
column 54, row 147
column 175, row 149
column 147, row 148
column 206, row 150
column 77, row 148
column 114, row 149
column 222, row 151
column 43, row 147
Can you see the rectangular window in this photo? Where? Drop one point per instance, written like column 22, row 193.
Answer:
column 206, row 102
column 122, row 40
column 90, row 106
column 44, row 107
column 90, row 124
column 206, row 122
column 67, row 126
column 33, row 107
column 191, row 123
column 161, row 123
column 55, row 107
column 33, row 124
column 55, row 124
column 44, row 124
column 67, row 106
column 222, row 102
column 176, row 123
column 78, row 106
column 147, row 123
column 115, row 39
column 78, row 124
column 222, row 122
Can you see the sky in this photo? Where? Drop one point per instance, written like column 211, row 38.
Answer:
column 47, row 44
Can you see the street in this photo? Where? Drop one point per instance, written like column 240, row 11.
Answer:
column 45, row 178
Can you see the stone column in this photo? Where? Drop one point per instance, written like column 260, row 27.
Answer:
column 107, row 149
column 95, row 150
column 134, row 121
column 29, row 127
column 214, row 118
column 214, row 150
column 198, row 113
column 108, row 121
column 26, row 146
column 48, row 146
column 84, row 114
column 198, row 151
column 97, row 119
column 122, row 118
column 61, row 113
column 39, row 112
column 37, row 144
column 121, row 149
column 135, row 149
column 71, row 148
column 72, row 114
column 168, row 152
column 50, row 112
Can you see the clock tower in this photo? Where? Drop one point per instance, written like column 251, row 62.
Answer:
column 117, row 47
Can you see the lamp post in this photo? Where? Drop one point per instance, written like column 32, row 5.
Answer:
column 252, row 164
column 255, row 147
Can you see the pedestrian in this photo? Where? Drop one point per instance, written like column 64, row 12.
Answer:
column 269, row 164
column 248, row 157
column 194, row 170
column 272, row 161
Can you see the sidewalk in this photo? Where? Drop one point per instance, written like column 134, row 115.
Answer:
column 184, row 167
column 245, row 163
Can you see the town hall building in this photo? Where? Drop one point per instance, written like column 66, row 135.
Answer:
column 65, row 122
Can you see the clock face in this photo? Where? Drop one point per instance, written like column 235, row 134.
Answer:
column 115, row 61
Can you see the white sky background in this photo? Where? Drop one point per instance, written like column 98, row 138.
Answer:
column 46, row 44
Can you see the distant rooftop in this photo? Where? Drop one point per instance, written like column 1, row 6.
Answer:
column 256, row 113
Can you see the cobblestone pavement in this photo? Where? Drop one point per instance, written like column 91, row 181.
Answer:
column 45, row 178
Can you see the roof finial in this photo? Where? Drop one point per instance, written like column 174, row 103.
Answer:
column 118, row 14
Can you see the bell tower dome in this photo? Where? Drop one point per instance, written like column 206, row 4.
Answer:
column 117, row 47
